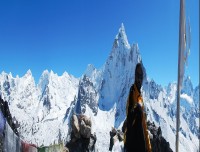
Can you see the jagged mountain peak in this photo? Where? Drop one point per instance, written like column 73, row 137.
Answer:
column 122, row 27
column 122, row 33
column 28, row 73
column 187, row 81
column 121, row 40
column 89, row 70
column 122, row 54
column 154, row 89
column 87, row 96
column 171, row 91
column 47, row 73
column 66, row 74
column 118, row 72
column 27, row 78
column 5, row 75
column 46, row 77
column 187, row 87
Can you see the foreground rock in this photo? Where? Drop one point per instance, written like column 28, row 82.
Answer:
column 116, row 140
column 158, row 143
column 82, row 140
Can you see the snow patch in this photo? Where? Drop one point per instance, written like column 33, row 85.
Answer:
column 187, row 98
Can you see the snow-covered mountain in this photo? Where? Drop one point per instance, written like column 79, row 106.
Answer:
column 44, row 110
column 40, row 109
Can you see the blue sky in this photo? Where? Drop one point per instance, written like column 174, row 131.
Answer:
column 69, row 35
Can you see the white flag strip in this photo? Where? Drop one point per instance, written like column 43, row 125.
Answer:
column 188, row 41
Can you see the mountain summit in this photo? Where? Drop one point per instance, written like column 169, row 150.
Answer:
column 121, row 39
column 118, row 72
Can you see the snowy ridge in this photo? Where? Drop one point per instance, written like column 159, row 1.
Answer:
column 162, row 111
column 44, row 109
column 39, row 109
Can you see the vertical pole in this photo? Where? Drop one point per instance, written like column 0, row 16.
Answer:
column 181, row 58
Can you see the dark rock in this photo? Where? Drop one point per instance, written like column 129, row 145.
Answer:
column 75, row 126
column 87, row 95
column 86, row 120
column 85, row 130
column 82, row 140
column 158, row 143
column 13, row 123
column 115, row 135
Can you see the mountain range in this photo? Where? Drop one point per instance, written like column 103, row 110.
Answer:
column 44, row 110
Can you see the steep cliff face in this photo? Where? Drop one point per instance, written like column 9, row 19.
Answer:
column 87, row 95
column 118, row 71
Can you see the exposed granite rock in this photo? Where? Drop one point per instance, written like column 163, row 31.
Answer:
column 82, row 139
column 158, row 143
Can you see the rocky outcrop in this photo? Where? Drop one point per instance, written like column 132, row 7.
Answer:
column 4, row 108
column 9, row 136
column 116, row 136
column 158, row 143
column 87, row 95
column 82, row 139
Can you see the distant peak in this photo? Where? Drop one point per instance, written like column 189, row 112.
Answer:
column 90, row 67
column 89, row 70
column 6, row 75
column 188, row 78
column 121, row 38
column 122, row 27
column 65, row 73
column 52, row 73
column 45, row 75
column 29, row 72
column 45, row 72
column 122, row 32
column 3, row 72
column 187, row 86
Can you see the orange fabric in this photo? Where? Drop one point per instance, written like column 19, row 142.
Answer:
column 147, row 139
column 137, row 98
